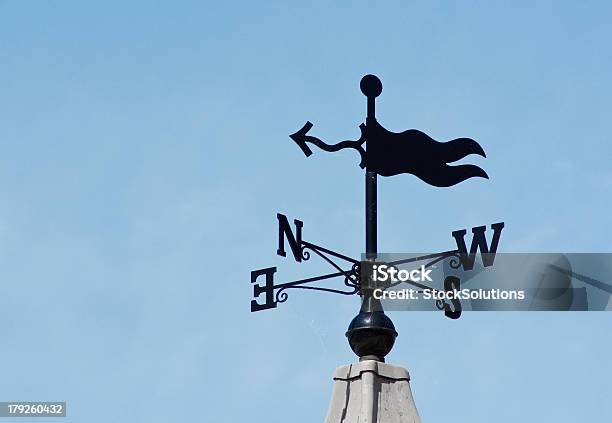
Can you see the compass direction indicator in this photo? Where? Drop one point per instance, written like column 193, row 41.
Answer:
column 371, row 334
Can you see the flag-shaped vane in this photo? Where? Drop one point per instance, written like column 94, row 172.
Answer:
column 411, row 151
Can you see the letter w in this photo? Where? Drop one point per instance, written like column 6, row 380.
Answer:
column 295, row 241
column 479, row 241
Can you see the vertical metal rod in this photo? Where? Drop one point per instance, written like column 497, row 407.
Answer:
column 371, row 107
column 370, row 186
column 369, row 303
column 371, row 333
column 371, row 219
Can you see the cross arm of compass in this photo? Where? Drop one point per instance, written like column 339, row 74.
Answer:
column 583, row 278
column 301, row 139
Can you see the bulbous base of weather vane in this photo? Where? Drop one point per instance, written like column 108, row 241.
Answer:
column 371, row 335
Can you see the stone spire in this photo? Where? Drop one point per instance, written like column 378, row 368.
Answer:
column 371, row 391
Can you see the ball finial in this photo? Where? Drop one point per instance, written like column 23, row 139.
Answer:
column 371, row 335
column 370, row 86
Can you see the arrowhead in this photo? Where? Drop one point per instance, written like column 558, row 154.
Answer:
column 300, row 138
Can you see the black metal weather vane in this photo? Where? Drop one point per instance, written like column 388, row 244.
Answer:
column 382, row 152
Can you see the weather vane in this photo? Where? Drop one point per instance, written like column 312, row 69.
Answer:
column 371, row 333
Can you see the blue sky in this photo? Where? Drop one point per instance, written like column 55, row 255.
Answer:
column 144, row 154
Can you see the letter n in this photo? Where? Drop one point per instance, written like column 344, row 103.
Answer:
column 295, row 241
column 479, row 242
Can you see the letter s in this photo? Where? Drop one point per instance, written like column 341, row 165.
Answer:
column 452, row 283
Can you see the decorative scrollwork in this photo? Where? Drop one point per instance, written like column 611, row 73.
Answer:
column 348, row 282
column 305, row 254
column 352, row 279
column 455, row 261
column 281, row 296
